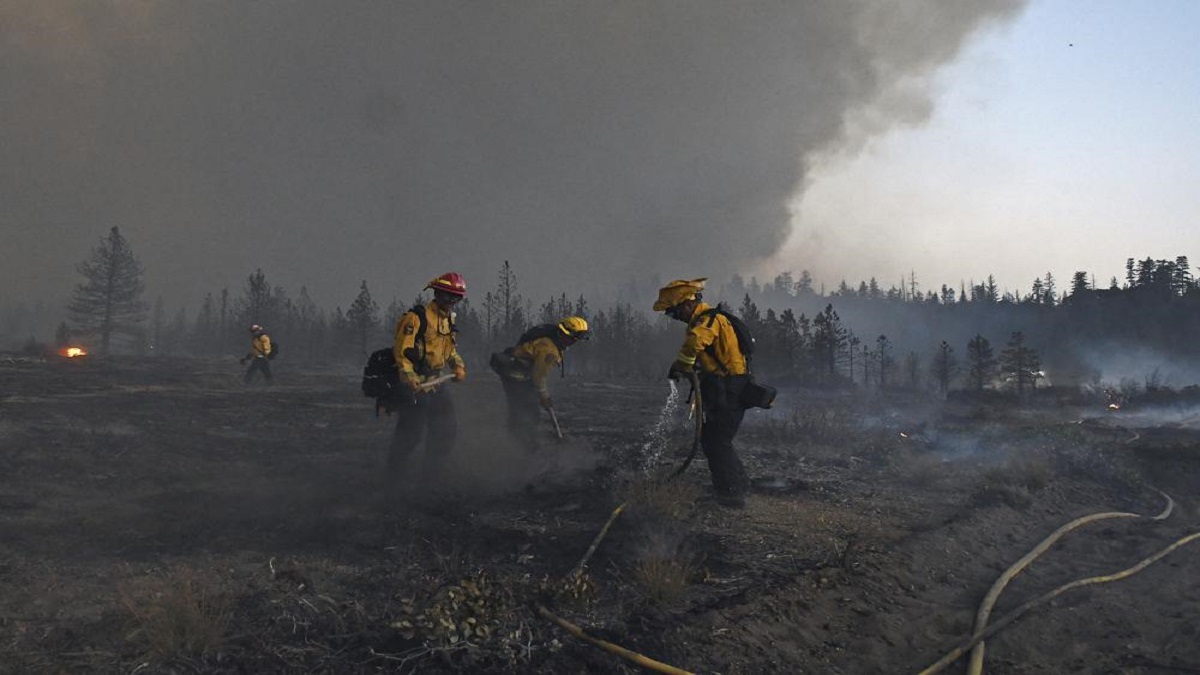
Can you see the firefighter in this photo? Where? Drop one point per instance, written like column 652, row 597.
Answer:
column 711, row 351
column 424, row 348
column 525, row 368
column 259, row 356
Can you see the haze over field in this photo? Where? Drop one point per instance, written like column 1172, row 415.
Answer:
column 331, row 142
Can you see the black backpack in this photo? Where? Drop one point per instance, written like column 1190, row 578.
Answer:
column 509, row 367
column 274, row 349
column 740, row 329
column 540, row 331
column 754, row 394
column 381, row 378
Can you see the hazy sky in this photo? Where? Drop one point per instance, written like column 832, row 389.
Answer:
column 591, row 142
column 1068, row 140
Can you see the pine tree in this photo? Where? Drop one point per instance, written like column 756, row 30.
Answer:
column 830, row 339
column 260, row 303
column 363, row 317
column 1020, row 364
column 883, row 351
column 981, row 362
column 109, row 301
column 944, row 366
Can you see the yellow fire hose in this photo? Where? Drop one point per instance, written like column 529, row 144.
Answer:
column 1042, row 599
column 643, row 661
column 975, row 667
column 982, row 631
column 697, row 411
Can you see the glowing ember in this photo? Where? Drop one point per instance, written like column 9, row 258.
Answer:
column 72, row 352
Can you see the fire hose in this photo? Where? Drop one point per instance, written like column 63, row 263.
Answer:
column 982, row 630
column 639, row 659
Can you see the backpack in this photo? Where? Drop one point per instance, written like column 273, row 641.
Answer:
column 740, row 329
column 509, row 367
column 381, row 378
column 274, row 349
column 754, row 394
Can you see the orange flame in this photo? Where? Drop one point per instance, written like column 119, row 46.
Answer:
column 72, row 352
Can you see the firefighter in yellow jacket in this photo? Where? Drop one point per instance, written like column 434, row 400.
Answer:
column 259, row 356
column 424, row 350
column 525, row 371
column 711, row 350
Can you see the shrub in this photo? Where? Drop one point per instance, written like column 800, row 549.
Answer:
column 176, row 615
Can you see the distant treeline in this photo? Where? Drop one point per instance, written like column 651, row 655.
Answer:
column 900, row 337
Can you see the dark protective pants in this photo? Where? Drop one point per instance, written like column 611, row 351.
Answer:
column 431, row 417
column 523, row 411
column 723, row 412
column 258, row 364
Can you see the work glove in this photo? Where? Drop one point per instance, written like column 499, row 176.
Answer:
column 678, row 370
column 544, row 400
column 414, row 384
column 460, row 373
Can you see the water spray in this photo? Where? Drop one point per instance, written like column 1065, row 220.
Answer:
column 656, row 438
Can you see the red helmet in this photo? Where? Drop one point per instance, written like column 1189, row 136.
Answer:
column 450, row 282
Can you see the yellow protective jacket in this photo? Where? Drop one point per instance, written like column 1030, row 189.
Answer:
column 260, row 346
column 542, row 355
column 437, row 349
column 711, row 343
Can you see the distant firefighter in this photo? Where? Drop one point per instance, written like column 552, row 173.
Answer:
column 423, row 349
column 260, row 354
column 712, row 351
column 524, row 369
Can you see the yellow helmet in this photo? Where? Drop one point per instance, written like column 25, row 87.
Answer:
column 678, row 291
column 575, row 327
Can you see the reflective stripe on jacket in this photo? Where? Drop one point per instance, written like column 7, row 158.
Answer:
column 714, row 347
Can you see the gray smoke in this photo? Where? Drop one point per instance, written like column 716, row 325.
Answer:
column 327, row 142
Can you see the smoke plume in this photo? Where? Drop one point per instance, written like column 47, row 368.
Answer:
column 328, row 142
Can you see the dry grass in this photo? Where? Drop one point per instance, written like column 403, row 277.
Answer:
column 811, row 425
column 176, row 615
column 663, row 577
column 655, row 499
column 1013, row 483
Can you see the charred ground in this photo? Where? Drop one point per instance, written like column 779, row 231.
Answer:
column 160, row 517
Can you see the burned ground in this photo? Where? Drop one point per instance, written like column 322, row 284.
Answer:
column 160, row 517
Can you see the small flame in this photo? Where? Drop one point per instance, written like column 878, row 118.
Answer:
column 72, row 352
